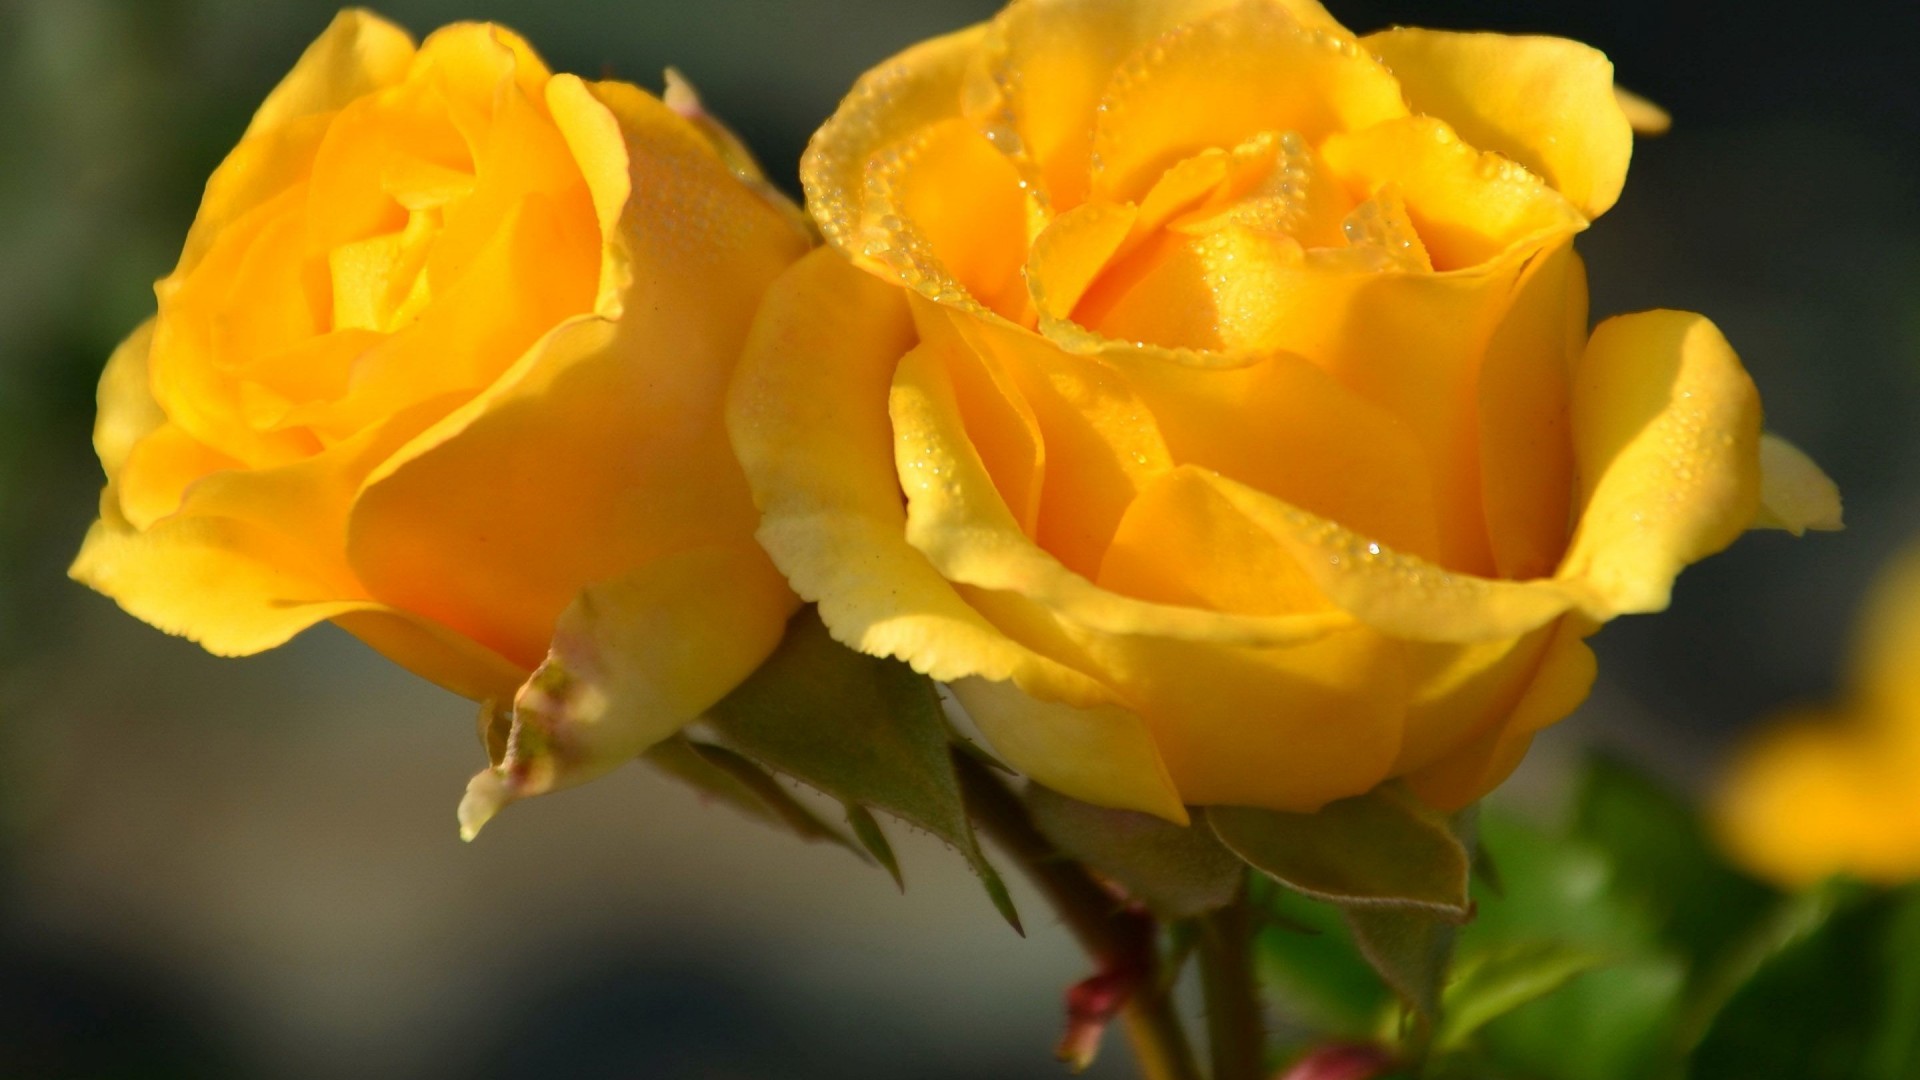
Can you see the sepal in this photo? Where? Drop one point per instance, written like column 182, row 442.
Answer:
column 865, row 730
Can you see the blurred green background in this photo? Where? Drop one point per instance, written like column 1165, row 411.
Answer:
column 248, row 868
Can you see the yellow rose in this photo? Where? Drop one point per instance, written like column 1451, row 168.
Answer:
column 1837, row 789
column 447, row 345
column 1206, row 392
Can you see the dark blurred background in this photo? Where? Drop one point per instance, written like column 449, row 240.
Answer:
column 248, row 868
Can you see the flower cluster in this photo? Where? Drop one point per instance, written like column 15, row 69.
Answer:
column 1204, row 392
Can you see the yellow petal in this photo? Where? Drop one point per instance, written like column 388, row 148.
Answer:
column 1460, row 692
column 1408, row 344
column 956, row 518
column 947, row 216
column 1545, row 102
column 1071, row 254
column 1287, row 428
column 1822, row 795
column 633, row 661
column 680, row 96
column 597, row 146
column 434, row 652
column 1182, row 544
column 192, row 357
column 1100, row 443
column 808, row 418
column 240, row 560
column 1562, row 680
column 1468, row 205
column 1794, row 494
column 1288, row 728
column 1003, row 428
column 1216, row 81
column 358, row 53
column 127, row 411
column 477, row 60
column 1646, row 117
column 1102, row 755
column 1884, row 673
column 1666, row 432
column 467, row 525
column 1526, row 446
column 237, row 588
column 540, row 266
column 234, row 587
column 1398, row 594
column 157, row 472
column 918, row 87
column 1037, row 79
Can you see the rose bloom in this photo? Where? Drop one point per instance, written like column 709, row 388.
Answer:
column 1207, row 394
column 1836, row 789
column 446, row 346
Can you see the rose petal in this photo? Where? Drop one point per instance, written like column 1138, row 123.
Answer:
column 1822, row 795
column 808, row 417
column 1666, row 431
column 1545, row 102
column 918, row 87
column 1285, row 427
column 1256, row 68
column 1884, row 674
column 1469, row 206
column 1526, row 449
column 1038, row 78
column 946, row 215
column 1794, row 494
column 1287, row 728
column 1103, row 755
column 1562, row 681
column 358, row 53
column 1101, row 442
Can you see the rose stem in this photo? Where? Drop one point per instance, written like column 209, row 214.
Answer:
column 1235, row 1027
column 1115, row 937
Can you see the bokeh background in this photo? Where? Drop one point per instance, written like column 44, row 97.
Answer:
column 248, row 868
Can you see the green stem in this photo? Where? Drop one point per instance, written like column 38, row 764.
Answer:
column 1115, row 937
column 1235, row 1025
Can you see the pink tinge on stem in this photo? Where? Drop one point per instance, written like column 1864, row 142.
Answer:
column 1343, row 1061
column 1092, row 1003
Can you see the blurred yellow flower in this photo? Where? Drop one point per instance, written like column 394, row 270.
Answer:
column 447, row 345
column 1206, row 392
column 1837, row 790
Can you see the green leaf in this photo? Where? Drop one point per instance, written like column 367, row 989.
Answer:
column 1664, row 863
column 1383, row 849
column 1799, row 997
column 1895, row 1051
column 1554, row 888
column 1178, row 872
column 1397, row 870
column 1493, row 983
column 874, row 840
column 1409, row 947
column 1320, row 975
column 727, row 777
column 866, row 730
column 1609, row 1023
